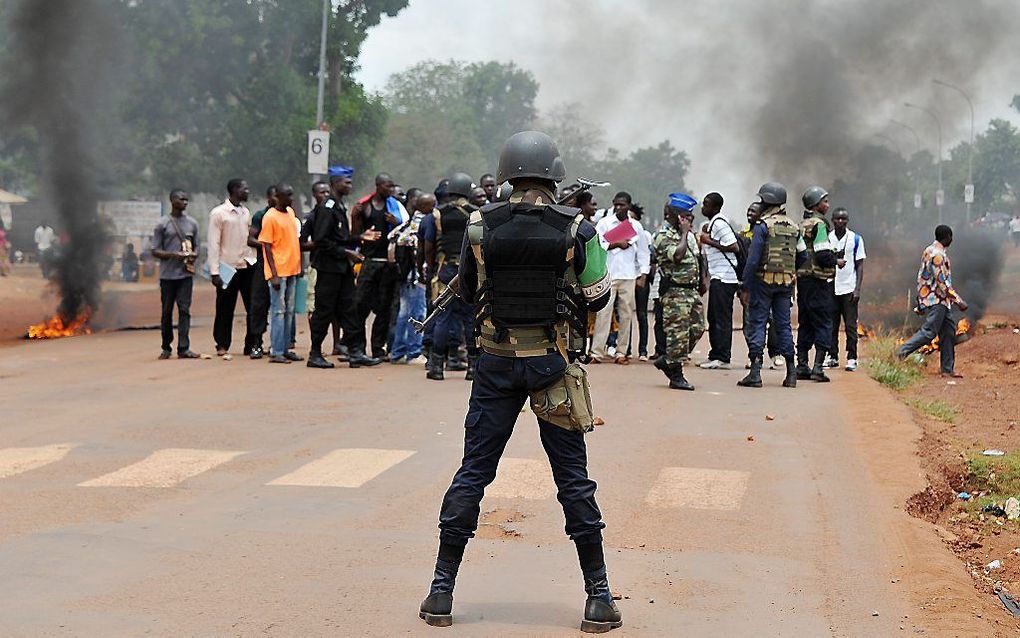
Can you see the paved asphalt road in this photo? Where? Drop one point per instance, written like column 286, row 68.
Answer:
column 208, row 498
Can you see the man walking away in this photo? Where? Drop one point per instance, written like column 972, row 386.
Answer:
column 629, row 263
column 44, row 237
column 850, row 256
column 229, row 224
column 721, row 250
column 259, row 309
column 282, row 252
column 935, row 299
column 815, row 297
column 175, row 244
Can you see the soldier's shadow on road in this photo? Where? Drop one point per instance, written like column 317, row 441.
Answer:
column 518, row 613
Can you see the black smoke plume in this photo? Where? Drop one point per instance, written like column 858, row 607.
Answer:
column 54, row 84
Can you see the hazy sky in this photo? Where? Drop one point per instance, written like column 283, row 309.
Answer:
column 695, row 72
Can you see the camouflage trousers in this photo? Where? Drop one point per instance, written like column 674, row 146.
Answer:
column 683, row 321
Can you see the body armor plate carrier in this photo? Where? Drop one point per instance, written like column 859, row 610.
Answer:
column 528, row 297
column 779, row 263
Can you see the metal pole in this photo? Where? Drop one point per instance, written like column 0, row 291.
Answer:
column 970, row 158
column 319, row 106
column 917, row 140
column 938, row 124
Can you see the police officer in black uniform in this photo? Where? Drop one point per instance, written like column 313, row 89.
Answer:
column 533, row 270
column 443, row 258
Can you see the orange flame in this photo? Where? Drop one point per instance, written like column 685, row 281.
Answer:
column 962, row 328
column 55, row 328
column 864, row 332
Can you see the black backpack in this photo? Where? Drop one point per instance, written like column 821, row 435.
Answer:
column 743, row 247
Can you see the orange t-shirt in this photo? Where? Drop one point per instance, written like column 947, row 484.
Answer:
column 280, row 231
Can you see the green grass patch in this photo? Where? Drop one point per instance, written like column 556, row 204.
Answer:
column 884, row 367
column 936, row 409
column 997, row 476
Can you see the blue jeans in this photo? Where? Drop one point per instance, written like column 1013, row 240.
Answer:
column 406, row 341
column 938, row 322
column 281, row 307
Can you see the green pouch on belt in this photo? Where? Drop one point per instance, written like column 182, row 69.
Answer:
column 567, row 402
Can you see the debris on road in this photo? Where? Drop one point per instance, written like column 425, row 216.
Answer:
column 995, row 564
column 1012, row 508
column 1009, row 602
column 874, row 612
column 963, row 496
column 769, row 417
column 993, row 453
column 750, row 437
column 598, row 421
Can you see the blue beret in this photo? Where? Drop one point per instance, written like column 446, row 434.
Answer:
column 341, row 171
column 683, row 201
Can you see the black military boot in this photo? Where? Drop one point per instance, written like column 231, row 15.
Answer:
column 803, row 371
column 437, row 608
column 316, row 360
column 600, row 612
column 435, row 370
column 340, row 352
column 791, row 374
column 753, row 378
column 677, row 381
column 818, row 372
column 358, row 359
column 662, row 364
column 472, row 362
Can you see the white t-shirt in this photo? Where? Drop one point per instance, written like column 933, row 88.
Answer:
column 1014, row 225
column 43, row 238
column 721, row 266
column 846, row 277
column 630, row 262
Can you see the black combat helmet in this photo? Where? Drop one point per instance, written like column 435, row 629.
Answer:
column 814, row 196
column 503, row 192
column 772, row 193
column 530, row 154
column 460, row 184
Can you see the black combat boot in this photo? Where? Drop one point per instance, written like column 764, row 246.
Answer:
column 435, row 369
column 340, row 352
column 437, row 608
column 791, row 374
column 753, row 378
column 677, row 381
column 316, row 360
column 662, row 364
column 472, row 362
column 818, row 372
column 803, row 371
column 600, row 612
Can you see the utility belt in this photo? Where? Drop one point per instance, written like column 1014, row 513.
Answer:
column 777, row 278
column 666, row 284
column 567, row 402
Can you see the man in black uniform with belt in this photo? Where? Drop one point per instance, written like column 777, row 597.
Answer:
column 333, row 259
column 533, row 270
column 444, row 238
column 377, row 281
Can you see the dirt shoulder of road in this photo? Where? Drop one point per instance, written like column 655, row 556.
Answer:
column 26, row 298
column 953, row 421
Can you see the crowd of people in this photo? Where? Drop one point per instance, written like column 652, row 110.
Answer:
column 389, row 254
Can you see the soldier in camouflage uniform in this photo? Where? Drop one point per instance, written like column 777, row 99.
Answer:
column 680, row 287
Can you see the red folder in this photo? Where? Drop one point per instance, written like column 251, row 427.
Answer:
column 623, row 232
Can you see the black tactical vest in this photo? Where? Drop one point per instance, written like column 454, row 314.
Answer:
column 453, row 221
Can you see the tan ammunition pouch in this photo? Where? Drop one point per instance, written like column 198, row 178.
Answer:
column 567, row 402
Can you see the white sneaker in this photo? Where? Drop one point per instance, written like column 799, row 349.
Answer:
column 851, row 365
column 830, row 362
column 711, row 364
column 772, row 364
column 643, row 357
column 778, row 362
column 611, row 351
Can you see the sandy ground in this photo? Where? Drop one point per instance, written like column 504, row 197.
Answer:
column 241, row 498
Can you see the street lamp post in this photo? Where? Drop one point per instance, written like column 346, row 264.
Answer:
column 322, row 66
column 917, row 140
column 940, row 195
column 970, row 158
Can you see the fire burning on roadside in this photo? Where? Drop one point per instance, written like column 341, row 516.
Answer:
column 55, row 328
column 864, row 332
column 962, row 334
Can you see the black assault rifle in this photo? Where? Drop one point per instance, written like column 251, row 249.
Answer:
column 445, row 298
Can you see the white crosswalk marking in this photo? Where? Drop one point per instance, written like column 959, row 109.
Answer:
column 348, row 467
column 15, row 460
column 164, row 468
column 523, row 478
column 699, row 488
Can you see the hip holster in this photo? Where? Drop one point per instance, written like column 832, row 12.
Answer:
column 567, row 402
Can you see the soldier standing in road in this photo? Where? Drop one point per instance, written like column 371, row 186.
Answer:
column 777, row 249
column 681, row 285
column 443, row 234
column 533, row 270
column 815, row 293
